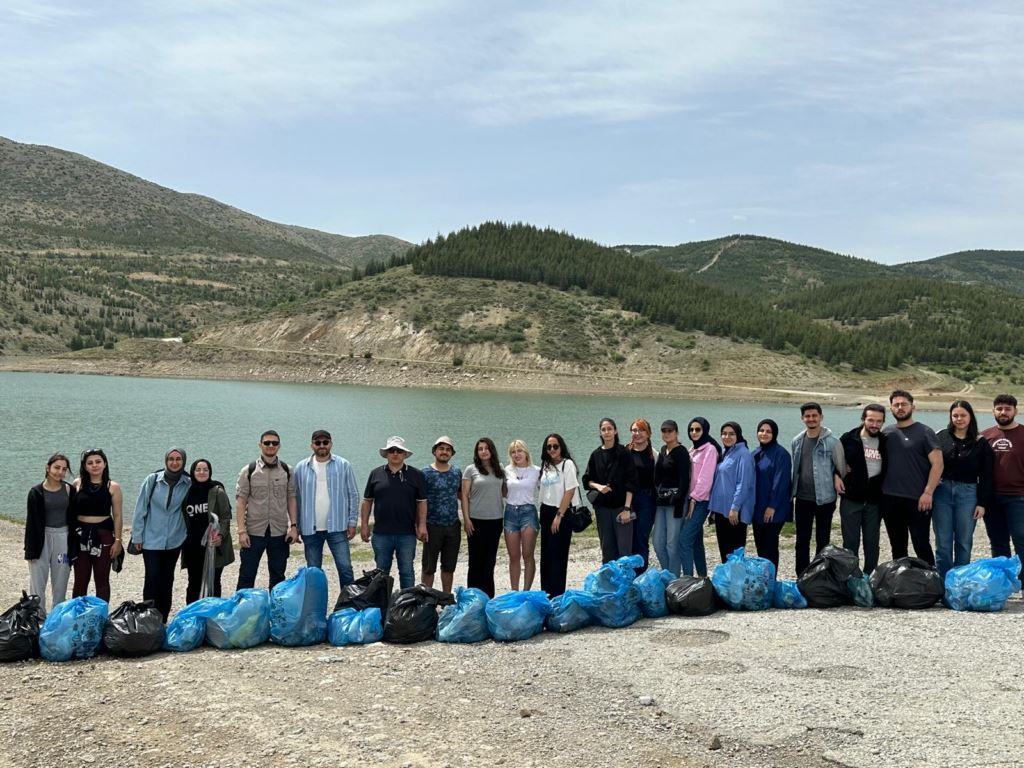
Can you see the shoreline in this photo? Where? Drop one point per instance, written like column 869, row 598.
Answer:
column 206, row 362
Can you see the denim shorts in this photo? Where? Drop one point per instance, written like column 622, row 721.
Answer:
column 521, row 516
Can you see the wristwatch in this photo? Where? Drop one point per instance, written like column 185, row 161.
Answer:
column 627, row 509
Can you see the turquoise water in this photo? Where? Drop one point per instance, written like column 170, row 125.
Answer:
column 135, row 420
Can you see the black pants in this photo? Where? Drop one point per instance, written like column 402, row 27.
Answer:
column 277, row 549
column 483, row 554
column 158, row 584
column 901, row 517
column 808, row 515
column 616, row 538
column 766, row 539
column 194, row 565
column 730, row 537
column 554, row 551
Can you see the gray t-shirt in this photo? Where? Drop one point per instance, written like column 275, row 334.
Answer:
column 485, row 502
column 805, row 478
column 908, row 449
column 56, row 505
column 872, row 456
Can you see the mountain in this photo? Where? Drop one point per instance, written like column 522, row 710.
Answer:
column 999, row 269
column 752, row 264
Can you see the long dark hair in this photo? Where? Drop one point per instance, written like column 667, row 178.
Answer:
column 493, row 466
column 564, row 450
column 53, row 460
column 614, row 426
column 83, row 473
column 972, row 425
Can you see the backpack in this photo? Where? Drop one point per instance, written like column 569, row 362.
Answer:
column 287, row 470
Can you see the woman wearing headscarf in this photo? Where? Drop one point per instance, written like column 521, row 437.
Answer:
column 732, row 496
column 773, row 498
column 158, row 527
column 207, row 514
column 704, row 455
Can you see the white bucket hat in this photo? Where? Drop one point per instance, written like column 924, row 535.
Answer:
column 394, row 442
column 443, row 440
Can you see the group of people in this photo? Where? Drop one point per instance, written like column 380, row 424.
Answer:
column 902, row 473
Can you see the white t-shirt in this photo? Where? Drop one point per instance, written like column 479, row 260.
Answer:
column 555, row 481
column 522, row 484
column 323, row 496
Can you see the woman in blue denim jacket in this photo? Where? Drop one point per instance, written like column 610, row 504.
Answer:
column 733, row 493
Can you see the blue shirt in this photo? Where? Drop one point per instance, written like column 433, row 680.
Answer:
column 773, row 468
column 342, row 492
column 158, row 522
column 734, row 486
column 443, row 495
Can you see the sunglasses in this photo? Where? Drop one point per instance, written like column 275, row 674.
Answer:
column 552, row 446
column 394, row 450
column 271, row 442
column 319, row 443
column 696, row 429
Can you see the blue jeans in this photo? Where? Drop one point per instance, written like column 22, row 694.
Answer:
column 643, row 506
column 396, row 546
column 277, row 560
column 691, row 541
column 338, row 543
column 953, row 520
column 666, row 538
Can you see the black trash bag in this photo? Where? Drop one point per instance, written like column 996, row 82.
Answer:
column 823, row 582
column 691, row 596
column 19, row 629
column 134, row 629
column 412, row 616
column 371, row 590
column 907, row 583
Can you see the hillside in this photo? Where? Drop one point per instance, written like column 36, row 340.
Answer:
column 751, row 264
column 998, row 269
column 53, row 199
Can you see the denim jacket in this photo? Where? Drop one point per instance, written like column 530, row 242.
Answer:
column 158, row 522
column 827, row 461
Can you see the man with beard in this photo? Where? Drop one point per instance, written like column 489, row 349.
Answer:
column 860, row 508
column 1006, row 517
column 327, row 498
column 913, row 472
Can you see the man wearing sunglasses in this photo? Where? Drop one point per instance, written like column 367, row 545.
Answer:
column 267, row 514
column 327, row 499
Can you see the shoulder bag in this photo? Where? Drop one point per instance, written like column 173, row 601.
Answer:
column 578, row 515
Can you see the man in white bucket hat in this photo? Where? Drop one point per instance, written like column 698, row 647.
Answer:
column 444, row 531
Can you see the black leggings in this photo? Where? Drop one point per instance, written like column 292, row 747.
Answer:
column 730, row 537
column 766, row 539
column 194, row 565
column 158, row 585
column 483, row 554
column 554, row 551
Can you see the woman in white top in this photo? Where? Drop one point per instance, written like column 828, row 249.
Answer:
column 558, row 486
column 521, row 520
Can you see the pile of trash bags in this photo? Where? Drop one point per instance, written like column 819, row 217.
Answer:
column 745, row 583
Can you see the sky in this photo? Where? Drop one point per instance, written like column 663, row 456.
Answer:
column 890, row 131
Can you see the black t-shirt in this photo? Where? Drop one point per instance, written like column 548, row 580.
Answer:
column 644, row 463
column 908, row 466
column 394, row 496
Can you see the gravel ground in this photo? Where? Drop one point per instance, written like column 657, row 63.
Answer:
column 847, row 687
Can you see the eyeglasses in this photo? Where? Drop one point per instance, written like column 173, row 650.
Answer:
column 552, row 446
column 637, row 431
column 319, row 443
column 271, row 442
column 696, row 429
column 394, row 450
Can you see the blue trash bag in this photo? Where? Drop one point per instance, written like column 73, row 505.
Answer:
column 187, row 629
column 466, row 621
column 298, row 609
column 745, row 583
column 860, row 591
column 651, row 584
column 571, row 611
column 74, row 629
column 351, row 627
column 788, row 595
column 613, row 577
column 616, row 609
column 242, row 622
column 517, row 615
column 984, row 585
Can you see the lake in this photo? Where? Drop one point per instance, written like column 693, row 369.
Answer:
column 135, row 420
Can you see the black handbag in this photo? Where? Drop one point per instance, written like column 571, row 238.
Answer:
column 667, row 497
column 579, row 518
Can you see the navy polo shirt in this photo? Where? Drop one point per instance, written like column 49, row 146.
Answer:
column 394, row 496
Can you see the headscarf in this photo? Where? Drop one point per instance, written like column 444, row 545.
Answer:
column 200, row 492
column 737, row 429
column 705, row 436
column 775, row 429
column 173, row 477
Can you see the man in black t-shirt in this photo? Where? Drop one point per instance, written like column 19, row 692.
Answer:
column 396, row 493
column 913, row 471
